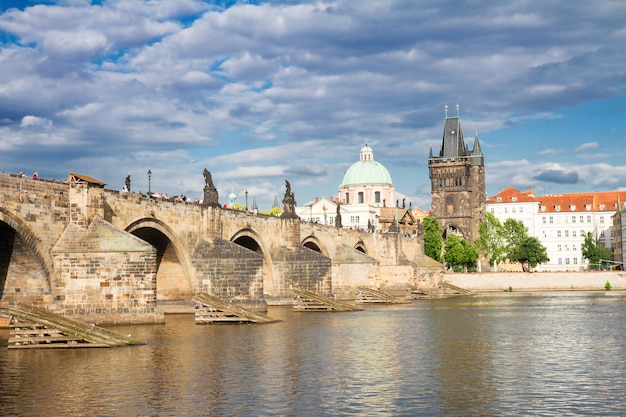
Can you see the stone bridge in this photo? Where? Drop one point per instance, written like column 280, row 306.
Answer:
column 107, row 256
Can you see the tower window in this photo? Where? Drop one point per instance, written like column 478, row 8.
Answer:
column 377, row 197
column 360, row 196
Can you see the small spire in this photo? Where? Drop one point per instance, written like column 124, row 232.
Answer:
column 457, row 111
column 446, row 110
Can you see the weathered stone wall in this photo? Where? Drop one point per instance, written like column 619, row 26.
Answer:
column 302, row 269
column 20, row 281
column 104, row 275
column 228, row 271
column 38, row 210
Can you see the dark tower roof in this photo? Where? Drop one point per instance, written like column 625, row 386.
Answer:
column 476, row 151
column 453, row 144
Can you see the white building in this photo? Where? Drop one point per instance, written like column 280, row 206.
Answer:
column 366, row 189
column 560, row 221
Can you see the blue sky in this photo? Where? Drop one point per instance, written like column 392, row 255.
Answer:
column 260, row 92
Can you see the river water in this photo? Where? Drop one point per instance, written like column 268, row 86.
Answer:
column 514, row 354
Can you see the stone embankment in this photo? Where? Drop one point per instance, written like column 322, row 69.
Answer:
column 538, row 281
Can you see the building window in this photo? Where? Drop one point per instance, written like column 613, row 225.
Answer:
column 514, row 199
column 551, row 220
column 521, row 209
column 543, row 208
column 377, row 197
column 559, row 247
column 573, row 207
column 347, row 198
column 498, row 199
column 506, row 210
column 560, row 261
column 581, row 218
column 573, row 219
column 566, row 261
column 588, row 219
column 360, row 197
column 558, row 233
column 543, row 219
column 575, row 261
column 601, row 207
column 557, row 208
column 567, row 233
column 601, row 219
column 573, row 233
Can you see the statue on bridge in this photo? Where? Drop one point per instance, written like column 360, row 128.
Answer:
column 338, row 224
column 127, row 183
column 289, row 203
column 211, row 197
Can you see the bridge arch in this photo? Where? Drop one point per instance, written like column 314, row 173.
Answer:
column 361, row 247
column 452, row 229
column 251, row 239
column 314, row 243
column 173, row 262
column 25, row 280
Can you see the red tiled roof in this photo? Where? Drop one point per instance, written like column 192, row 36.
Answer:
column 591, row 201
column 507, row 196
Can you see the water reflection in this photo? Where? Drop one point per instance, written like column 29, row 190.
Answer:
column 501, row 355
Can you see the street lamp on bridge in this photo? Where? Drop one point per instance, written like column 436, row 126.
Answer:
column 246, row 200
column 149, row 179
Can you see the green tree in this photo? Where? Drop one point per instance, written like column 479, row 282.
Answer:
column 432, row 238
column 595, row 254
column 471, row 256
column 454, row 252
column 514, row 232
column 273, row 212
column 491, row 242
column 520, row 247
column 460, row 254
column 530, row 253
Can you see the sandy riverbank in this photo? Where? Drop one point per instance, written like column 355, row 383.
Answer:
column 538, row 281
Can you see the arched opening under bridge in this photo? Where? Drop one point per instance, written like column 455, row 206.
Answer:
column 172, row 281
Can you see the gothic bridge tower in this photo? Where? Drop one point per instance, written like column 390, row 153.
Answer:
column 457, row 178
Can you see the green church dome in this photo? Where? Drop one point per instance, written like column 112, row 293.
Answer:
column 366, row 171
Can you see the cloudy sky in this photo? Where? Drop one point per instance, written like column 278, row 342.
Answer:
column 260, row 92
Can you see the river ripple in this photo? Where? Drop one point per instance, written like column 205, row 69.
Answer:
column 549, row 354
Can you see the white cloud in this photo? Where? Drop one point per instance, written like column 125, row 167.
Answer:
column 34, row 121
column 587, row 146
column 151, row 84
